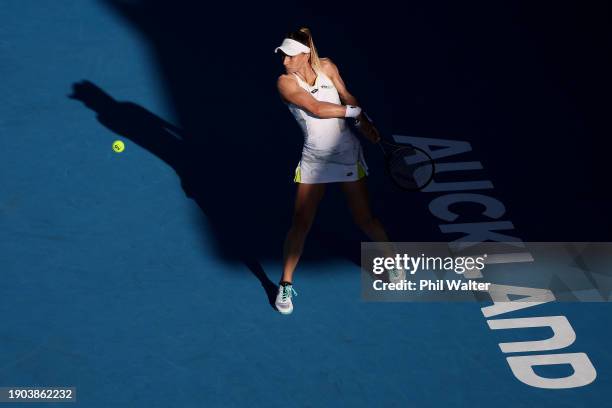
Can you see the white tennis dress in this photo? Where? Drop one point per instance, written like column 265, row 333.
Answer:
column 331, row 151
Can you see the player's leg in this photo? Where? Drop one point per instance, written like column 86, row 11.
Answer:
column 356, row 193
column 306, row 202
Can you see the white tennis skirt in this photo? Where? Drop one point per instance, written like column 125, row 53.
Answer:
column 316, row 168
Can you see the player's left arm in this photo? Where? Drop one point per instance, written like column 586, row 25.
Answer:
column 331, row 70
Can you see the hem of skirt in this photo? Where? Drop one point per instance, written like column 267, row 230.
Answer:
column 362, row 172
column 298, row 179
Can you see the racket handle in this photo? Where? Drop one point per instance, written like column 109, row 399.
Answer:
column 357, row 124
column 357, row 121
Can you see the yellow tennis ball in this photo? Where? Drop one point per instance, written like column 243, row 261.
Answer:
column 118, row 146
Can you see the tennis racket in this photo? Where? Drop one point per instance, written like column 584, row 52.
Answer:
column 410, row 167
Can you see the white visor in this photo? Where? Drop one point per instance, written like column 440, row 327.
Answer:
column 292, row 47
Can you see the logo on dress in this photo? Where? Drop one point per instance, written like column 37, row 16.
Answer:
column 327, row 86
column 314, row 90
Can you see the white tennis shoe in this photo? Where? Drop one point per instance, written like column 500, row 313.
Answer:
column 283, row 298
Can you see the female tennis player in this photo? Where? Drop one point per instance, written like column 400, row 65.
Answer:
column 319, row 100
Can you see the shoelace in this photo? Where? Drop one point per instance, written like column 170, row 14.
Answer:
column 288, row 292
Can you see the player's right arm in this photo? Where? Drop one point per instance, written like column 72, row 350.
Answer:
column 291, row 92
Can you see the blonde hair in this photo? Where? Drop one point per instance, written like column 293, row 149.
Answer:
column 304, row 36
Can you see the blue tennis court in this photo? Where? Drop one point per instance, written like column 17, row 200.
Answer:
column 147, row 278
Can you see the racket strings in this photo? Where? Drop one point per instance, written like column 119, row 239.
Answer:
column 410, row 167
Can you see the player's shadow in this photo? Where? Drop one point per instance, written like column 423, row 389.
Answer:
column 202, row 179
column 248, row 216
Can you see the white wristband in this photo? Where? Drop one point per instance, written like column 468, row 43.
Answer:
column 352, row 111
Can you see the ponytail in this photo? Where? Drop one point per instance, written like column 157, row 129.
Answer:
column 304, row 36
